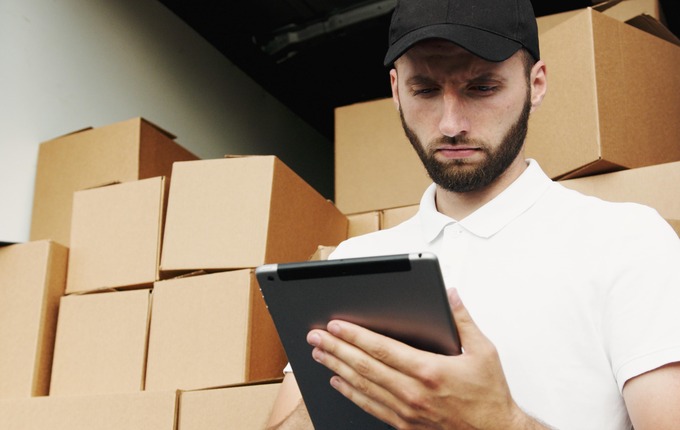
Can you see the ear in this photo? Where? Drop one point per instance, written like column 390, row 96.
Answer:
column 394, row 82
column 539, row 84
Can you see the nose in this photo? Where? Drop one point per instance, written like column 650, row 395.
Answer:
column 453, row 121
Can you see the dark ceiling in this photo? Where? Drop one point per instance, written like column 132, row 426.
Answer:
column 315, row 55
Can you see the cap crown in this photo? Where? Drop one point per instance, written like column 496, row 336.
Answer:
column 491, row 29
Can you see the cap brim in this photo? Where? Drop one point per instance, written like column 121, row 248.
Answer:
column 489, row 46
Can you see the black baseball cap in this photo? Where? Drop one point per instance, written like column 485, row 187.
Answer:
column 491, row 29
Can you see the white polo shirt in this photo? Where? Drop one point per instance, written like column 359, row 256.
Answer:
column 578, row 294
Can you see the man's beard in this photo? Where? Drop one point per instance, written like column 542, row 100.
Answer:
column 456, row 175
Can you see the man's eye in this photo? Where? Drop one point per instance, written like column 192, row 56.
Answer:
column 484, row 89
column 424, row 91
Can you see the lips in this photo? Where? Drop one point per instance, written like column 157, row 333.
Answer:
column 457, row 152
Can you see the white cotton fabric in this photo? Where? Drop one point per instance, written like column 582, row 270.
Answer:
column 578, row 294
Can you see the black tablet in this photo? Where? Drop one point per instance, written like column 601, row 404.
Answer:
column 401, row 296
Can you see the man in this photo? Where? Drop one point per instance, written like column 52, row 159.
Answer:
column 574, row 300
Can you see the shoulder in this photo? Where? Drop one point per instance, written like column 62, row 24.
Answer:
column 625, row 220
column 405, row 237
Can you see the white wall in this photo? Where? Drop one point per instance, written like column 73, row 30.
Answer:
column 69, row 64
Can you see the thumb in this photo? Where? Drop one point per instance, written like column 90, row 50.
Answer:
column 469, row 333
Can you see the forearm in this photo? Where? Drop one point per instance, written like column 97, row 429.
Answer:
column 523, row 421
column 297, row 420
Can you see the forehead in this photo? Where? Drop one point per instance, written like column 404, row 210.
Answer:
column 442, row 54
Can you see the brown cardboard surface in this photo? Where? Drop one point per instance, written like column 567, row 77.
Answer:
column 675, row 223
column 120, row 152
column 375, row 165
column 612, row 102
column 32, row 279
column 134, row 411
column 322, row 253
column 621, row 10
column 237, row 213
column 655, row 186
column 244, row 407
column 395, row 216
column 101, row 343
column 116, row 235
column 363, row 223
column 211, row 330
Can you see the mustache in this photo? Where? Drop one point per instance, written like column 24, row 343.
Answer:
column 459, row 140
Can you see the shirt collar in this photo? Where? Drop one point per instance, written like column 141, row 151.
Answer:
column 494, row 215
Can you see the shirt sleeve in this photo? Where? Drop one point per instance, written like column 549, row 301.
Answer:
column 642, row 321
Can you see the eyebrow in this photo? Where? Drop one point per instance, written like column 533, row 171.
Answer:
column 482, row 77
column 419, row 80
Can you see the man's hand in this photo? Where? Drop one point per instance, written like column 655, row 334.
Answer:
column 413, row 389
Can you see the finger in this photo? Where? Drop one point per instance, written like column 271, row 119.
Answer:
column 370, row 404
column 470, row 334
column 350, row 361
column 355, row 372
column 384, row 349
column 393, row 365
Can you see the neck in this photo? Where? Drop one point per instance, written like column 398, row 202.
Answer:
column 460, row 205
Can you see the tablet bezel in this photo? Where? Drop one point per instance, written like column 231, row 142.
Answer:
column 402, row 296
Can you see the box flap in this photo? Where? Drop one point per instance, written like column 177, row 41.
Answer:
column 160, row 129
column 69, row 134
column 601, row 7
column 599, row 166
column 652, row 26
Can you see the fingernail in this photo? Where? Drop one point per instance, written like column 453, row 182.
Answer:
column 313, row 339
column 454, row 298
column 334, row 328
column 317, row 354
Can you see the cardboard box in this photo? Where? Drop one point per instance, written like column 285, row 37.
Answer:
column 243, row 407
column 395, row 216
column 209, row 331
column 101, row 343
column 32, row 279
column 120, row 152
column 622, row 10
column 613, row 100
column 375, row 165
column 655, row 186
column 322, row 253
column 363, row 223
column 133, row 411
column 675, row 223
column 116, row 236
column 235, row 213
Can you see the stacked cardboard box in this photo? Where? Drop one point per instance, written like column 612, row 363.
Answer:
column 32, row 279
column 238, row 407
column 161, row 323
column 159, row 313
column 655, row 186
column 120, row 152
column 612, row 104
